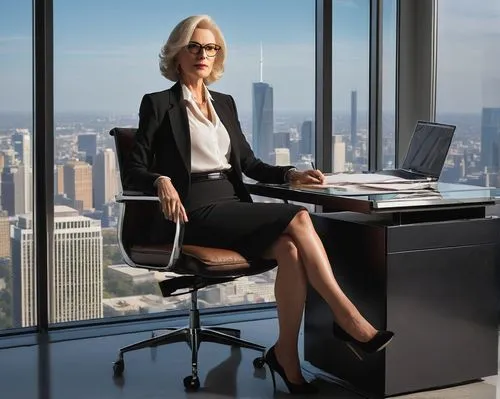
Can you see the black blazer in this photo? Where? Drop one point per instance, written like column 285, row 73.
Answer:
column 163, row 145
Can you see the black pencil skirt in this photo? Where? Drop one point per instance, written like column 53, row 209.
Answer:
column 218, row 218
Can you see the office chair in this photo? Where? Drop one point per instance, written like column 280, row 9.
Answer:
column 197, row 267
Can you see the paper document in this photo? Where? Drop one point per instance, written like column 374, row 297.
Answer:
column 380, row 182
column 362, row 178
column 403, row 186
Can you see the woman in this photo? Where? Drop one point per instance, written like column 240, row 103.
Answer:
column 190, row 149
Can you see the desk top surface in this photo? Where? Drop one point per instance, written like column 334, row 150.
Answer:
column 446, row 195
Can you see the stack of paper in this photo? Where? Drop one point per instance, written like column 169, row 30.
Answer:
column 361, row 178
column 376, row 181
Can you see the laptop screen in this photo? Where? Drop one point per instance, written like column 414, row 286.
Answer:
column 428, row 148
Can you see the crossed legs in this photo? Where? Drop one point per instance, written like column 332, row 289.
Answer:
column 302, row 258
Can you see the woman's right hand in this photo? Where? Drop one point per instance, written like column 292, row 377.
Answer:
column 171, row 204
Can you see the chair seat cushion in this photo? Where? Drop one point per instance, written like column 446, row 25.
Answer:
column 210, row 259
column 215, row 256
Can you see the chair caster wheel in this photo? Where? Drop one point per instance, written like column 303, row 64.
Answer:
column 118, row 368
column 191, row 384
column 258, row 362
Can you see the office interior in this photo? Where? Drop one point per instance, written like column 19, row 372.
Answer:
column 347, row 79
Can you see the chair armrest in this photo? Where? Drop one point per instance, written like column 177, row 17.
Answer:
column 176, row 249
column 130, row 195
column 139, row 196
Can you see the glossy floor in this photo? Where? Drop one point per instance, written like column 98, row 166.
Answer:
column 82, row 369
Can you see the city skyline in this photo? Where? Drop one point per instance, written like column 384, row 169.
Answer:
column 462, row 164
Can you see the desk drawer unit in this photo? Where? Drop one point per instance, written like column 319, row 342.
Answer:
column 433, row 284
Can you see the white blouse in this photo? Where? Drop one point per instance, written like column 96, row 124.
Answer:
column 210, row 144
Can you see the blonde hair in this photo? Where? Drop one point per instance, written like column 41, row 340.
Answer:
column 180, row 37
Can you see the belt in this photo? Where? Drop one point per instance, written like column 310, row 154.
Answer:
column 217, row 175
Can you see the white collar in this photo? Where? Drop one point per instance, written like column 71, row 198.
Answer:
column 188, row 95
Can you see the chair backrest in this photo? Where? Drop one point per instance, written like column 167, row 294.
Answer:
column 124, row 142
column 136, row 217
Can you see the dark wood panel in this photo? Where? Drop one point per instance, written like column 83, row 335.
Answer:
column 442, row 234
column 440, row 302
column 442, row 305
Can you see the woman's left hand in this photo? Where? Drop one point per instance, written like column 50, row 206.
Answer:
column 312, row 176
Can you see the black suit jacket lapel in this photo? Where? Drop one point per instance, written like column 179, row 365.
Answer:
column 180, row 125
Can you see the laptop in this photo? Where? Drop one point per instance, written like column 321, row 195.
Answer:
column 426, row 153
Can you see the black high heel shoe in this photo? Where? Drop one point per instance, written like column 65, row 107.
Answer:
column 272, row 362
column 376, row 344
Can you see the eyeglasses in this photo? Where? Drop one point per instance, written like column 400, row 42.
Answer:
column 211, row 49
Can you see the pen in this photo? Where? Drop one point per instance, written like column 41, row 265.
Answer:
column 313, row 166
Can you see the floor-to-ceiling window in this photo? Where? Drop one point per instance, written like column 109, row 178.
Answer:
column 388, row 82
column 105, row 60
column 468, row 88
column 351, row 83
column 17, row 276
column 351, row 52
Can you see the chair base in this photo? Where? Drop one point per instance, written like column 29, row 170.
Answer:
column 193, row 335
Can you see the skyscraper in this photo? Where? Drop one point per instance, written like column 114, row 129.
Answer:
column 22, row 178
column 78, row 184
column 280, row 157
column 294, row 149
column 8, row 181
column 490, row 139
column 21, row 143
column 2, row 164
column 262, row 117
column 307, row 138
column 75, row 278
column 338, row 154
column 281, row 140
column 87, row 142
column 354, row 119
column 59, row 179
column 104, row 178
column 4, row 235
column 16, row 190
column 9, row 157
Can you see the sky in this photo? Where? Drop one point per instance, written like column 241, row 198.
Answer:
column 106, row 52
column 468, row 55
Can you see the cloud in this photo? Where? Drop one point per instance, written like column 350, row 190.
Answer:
column 114, row 77
column 15, row 45
column 474, row 10
column 10, row 39
column 95, row 53
column 347, row 3
column 464, row 19
column 106, row 51
column 468, row 55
